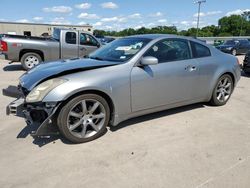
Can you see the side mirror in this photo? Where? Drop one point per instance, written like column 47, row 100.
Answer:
column 149, row 60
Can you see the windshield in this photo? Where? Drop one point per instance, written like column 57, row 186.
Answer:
column 120, row 50
column 230, row 42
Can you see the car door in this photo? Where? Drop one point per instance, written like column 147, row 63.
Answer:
column 207, row 68
column 87, row 44
column 245, row 46
column 174, row 79
column 242, row 46
column 69, row 45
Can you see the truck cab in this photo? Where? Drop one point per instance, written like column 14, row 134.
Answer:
column 75, row 43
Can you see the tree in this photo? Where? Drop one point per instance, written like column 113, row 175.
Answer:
column 233, row 25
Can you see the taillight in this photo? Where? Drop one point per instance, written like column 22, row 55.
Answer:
column 3, row 46
column 238, row 61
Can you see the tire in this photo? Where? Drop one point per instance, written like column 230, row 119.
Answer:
column 234, row 52
column 222, row 91
column 30, row 60
column 77, row 124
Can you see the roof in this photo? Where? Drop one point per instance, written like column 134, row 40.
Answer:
column 156, row 36
column 54, row 25
column 151, row 36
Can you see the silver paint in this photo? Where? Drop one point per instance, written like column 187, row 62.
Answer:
column 136, row 90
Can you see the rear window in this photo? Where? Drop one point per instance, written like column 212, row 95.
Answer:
column 70, row 38
column 200, row 50
column 56, row 34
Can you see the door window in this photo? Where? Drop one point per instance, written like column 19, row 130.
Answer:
column 86, row 39
column 200, row 50
column 170, row 50
column 244, row 43
column 70, row 38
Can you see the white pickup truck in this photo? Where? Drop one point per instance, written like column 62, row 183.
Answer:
column 63, row 44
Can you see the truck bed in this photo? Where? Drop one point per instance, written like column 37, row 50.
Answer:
column 28, row 37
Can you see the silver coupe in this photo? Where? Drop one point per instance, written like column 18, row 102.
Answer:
column 128, row 77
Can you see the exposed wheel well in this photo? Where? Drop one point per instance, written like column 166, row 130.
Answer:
column 97, row 92
column 24, row 51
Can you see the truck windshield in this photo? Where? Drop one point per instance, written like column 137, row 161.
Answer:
column 120, row 50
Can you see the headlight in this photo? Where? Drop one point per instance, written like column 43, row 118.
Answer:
column 40, row 91
column 229, row 48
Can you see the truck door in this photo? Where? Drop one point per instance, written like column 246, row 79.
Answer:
column 69, row 45
column 87, row 44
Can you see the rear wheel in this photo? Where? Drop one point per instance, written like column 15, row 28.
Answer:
column 84, row 118
column 222, row 91
column 29, row 60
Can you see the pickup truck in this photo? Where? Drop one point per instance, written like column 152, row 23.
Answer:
column 64, row 44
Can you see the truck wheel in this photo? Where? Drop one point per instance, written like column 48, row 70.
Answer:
column 29, row 60
column 84, row 118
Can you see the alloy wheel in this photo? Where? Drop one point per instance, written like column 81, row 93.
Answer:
column 224, row 89
column 86, row 118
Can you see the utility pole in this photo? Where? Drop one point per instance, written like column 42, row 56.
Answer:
column 244, row 16
column 199, row 2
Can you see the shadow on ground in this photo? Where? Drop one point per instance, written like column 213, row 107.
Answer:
column 42, row 141
column 156, row 115
column 13, row 67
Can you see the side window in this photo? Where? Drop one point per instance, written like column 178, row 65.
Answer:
column 244, row 42
column 200, row 50
column 70, row 38
column 86, row 39
column 170, row 50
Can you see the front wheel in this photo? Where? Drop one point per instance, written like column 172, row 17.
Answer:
column 84, row 118
column 222, row 91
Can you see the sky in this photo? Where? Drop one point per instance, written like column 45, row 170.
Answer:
column 120, row 14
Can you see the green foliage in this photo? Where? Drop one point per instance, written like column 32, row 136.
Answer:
column 234, row 25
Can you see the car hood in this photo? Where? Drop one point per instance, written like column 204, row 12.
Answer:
column 45, row 71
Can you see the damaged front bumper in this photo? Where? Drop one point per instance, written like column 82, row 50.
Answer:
column 41, row 115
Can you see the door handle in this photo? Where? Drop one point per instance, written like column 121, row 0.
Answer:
column 190, row 68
